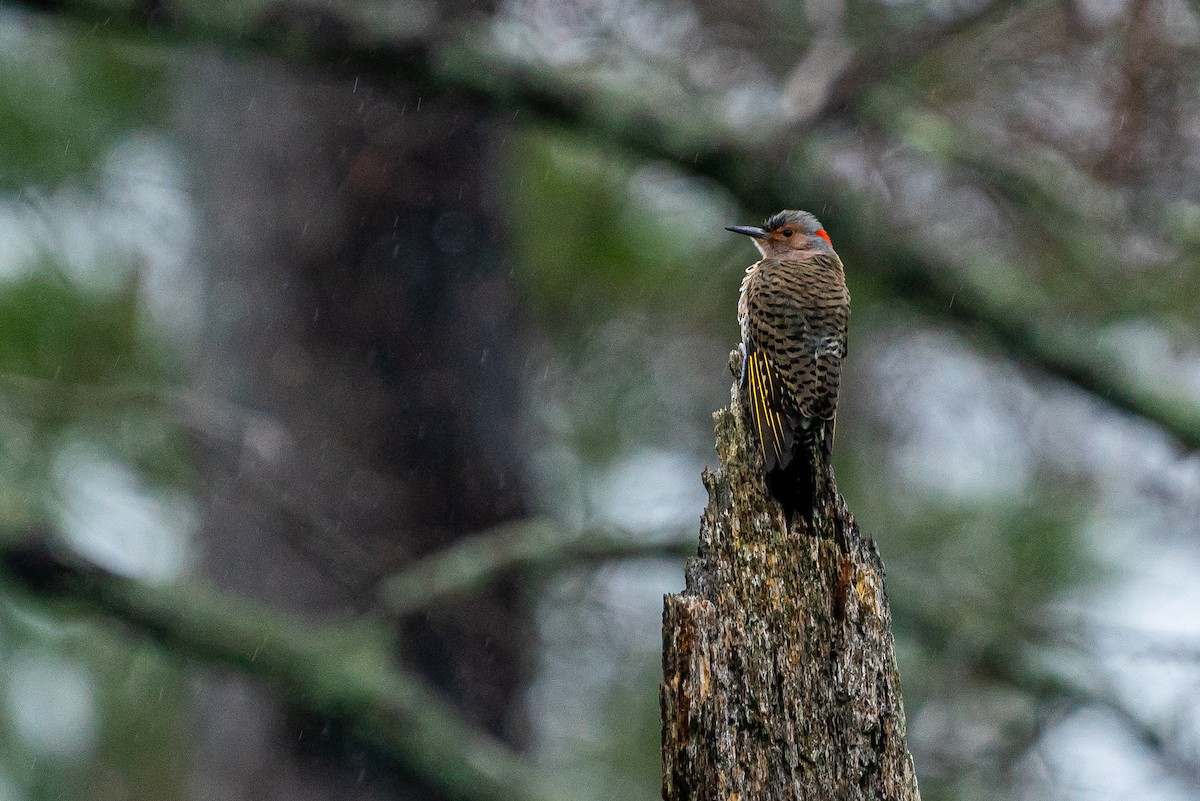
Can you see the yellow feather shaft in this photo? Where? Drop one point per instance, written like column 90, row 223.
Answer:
column 761, row 385
column 776, row 421
column 760, row 405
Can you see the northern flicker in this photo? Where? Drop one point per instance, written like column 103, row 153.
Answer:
column 794, row 310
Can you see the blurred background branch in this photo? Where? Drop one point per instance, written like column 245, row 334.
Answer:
column 340, row 671
column 537, row 545
column 759, row 173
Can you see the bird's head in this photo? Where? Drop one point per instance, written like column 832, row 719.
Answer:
column 787, row 232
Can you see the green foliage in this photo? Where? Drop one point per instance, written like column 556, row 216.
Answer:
column 79, row 369
column 618, row 265
column 75, row 365
column 594, row 236
column 64, row 101
column 53, row 330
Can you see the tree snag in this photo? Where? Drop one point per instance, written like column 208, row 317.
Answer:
column 779, row 670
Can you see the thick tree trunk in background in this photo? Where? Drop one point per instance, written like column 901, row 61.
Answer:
column 779, row 672
column 359, row 363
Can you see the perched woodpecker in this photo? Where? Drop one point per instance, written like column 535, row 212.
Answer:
column 794, row 310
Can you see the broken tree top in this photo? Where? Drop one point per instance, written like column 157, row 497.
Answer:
column 779, row 672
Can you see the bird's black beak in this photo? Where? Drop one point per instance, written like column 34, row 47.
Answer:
column 748, row 230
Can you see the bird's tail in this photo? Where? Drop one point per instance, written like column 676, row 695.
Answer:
column 794, row 484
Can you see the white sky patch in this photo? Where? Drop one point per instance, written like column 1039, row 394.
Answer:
column 51, row 705
column 651, row 490
column 600, row 631
column 1141, row 347
column 1155, row 604
column 139, row 220
column 9, row 790
column 1103, row 12
column 19, row 242
column 956, row 437
column 754, row 104
column 1088, row 756
column 110, row 516
column 1137, row 644
column 147, row 206
column 1150, row 352
column 691, row 211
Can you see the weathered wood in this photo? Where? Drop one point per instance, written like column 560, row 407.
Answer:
column 779, row 671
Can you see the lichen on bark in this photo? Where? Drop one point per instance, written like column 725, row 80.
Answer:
column 779, row 670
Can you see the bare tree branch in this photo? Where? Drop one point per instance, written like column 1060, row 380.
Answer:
column 471, row 564
column 344, row 671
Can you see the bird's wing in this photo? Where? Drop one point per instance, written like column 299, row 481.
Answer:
column 806, row 338
column 796, row 320
column 770, row 412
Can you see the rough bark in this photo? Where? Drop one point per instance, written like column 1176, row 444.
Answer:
column 779, row 671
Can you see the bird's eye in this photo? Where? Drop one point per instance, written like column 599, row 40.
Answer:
column 787, row 231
